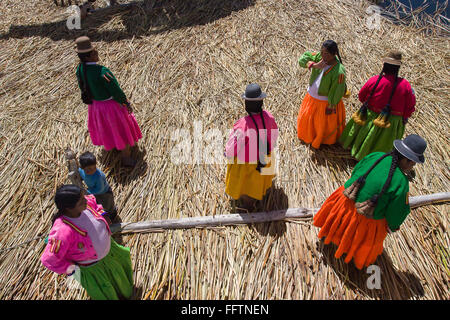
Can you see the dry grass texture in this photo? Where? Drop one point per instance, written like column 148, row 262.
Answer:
column 191, row 60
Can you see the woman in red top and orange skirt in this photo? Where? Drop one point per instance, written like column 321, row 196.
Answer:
column 388, row 102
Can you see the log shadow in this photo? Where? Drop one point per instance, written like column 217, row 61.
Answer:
column 141, row 18
column 394, row 284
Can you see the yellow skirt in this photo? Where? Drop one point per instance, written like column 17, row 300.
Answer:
column 244, row 179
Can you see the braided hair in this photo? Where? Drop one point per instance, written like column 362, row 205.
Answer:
column 256, row 107
column 86, row 94
column 332, row 47
column 66, row 196
column 396, row 157
column 387, row 69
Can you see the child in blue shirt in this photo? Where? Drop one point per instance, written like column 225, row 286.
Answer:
column 96, row 182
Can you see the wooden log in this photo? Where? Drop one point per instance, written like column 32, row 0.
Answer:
column 72, row 164
column 247, row 218
column 434, row 198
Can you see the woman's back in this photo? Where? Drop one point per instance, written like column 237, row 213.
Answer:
column 403, row 100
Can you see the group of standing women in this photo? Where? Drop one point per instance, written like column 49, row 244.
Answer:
column 374, row 201
column 356, row 217
column 387, row 102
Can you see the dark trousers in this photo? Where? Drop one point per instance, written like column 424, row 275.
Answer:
column 107, row 201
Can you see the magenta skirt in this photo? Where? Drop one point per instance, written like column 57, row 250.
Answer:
column 111, row 126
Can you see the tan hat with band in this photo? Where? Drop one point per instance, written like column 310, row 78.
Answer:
column 83, row 44
column 394, row 58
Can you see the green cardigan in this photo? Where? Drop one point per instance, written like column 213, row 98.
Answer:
column 102, row 83
column 332, row 84
column 393, row 204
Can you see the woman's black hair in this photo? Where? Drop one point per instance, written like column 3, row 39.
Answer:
column 86, row 94
column 66, row 196
column 256, row 107
column 87, row 159
column 390, row 69
column 332, row 48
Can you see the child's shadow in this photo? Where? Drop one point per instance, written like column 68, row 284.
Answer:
column 394, row 284
column 111, row 162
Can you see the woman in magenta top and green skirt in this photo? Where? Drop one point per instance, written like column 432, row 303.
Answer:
column 111, row 123
column 388, row 102
column 374, row 202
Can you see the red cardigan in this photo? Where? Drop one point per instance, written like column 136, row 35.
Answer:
column 402, row 103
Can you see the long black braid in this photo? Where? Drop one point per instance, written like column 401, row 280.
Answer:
column 86, row 94
column 396, row 157
column 256, row 106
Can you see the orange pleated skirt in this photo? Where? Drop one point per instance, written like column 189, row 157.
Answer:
column 360, row 238
column 316, row 127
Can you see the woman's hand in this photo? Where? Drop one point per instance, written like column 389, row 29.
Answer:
column 330, row 109
column 317, row 65
column 128, row 106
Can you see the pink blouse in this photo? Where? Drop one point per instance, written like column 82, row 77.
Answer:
column 242, row 141
column 402, row 103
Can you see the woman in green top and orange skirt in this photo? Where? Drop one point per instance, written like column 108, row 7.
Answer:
column 374, row 202
column 111, row 122
column 321, row 117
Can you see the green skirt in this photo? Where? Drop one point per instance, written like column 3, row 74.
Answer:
column 112, row 277
column 363, row 140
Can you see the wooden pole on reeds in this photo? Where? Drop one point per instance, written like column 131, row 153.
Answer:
column 247, row 218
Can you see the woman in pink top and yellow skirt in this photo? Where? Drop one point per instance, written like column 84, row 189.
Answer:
column 250, row 168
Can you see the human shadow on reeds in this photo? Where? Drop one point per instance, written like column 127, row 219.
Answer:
column 395, row 285
column 143, row 18
column 334, row 155
column 274, row 200
column 120, row 174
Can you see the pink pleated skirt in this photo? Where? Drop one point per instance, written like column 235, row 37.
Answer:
column 111, row 126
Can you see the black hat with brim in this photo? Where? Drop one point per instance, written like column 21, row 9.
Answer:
column 412, row 147
column 253, row 93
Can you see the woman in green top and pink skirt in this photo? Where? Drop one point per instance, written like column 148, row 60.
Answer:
column 374, row 202
column 111, row 122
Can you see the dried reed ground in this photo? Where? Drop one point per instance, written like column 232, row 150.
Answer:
column 183, row 63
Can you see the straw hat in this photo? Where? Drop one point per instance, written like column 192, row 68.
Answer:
column 83, row 45
column 394, row 58
column 412, row 147
column 253, row 93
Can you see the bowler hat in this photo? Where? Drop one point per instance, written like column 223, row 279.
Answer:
column 412, row 147
column 253, row 93
column 394, row 58
column 83, row 44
